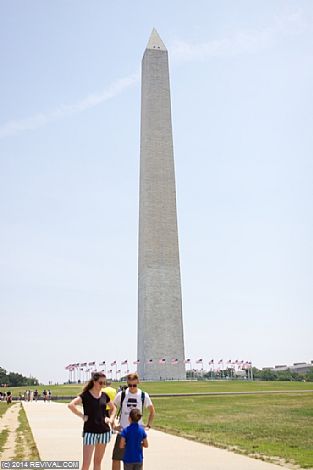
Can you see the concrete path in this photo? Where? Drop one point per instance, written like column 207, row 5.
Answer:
column 57, row 433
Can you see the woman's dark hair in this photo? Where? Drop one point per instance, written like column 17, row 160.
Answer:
column 95, row 376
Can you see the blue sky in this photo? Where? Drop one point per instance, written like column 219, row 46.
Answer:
column 241, row 82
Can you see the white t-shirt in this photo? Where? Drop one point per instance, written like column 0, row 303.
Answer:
column 131, row 400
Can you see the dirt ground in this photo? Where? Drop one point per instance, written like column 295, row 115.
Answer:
column 10, row 422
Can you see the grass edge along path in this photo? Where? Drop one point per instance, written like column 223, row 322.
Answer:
column 26, row 448
column 3, row 439
column 4, row 432
column 269, row 427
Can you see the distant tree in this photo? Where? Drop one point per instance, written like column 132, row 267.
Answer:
column 309, row 376
column 3, row 375
column 13, row 379
column 265, row 374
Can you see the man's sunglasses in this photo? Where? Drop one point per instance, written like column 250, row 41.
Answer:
column 132, row 385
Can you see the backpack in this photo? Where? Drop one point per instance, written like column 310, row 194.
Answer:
column 123, row 398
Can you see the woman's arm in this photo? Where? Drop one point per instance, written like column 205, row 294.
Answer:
column 72, row 406
column 112, row 412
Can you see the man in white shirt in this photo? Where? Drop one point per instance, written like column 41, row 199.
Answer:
column 132, row 397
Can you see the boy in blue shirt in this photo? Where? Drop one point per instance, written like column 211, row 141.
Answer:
column 133, row 439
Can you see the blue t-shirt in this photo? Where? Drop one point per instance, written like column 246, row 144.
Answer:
column 134, row 434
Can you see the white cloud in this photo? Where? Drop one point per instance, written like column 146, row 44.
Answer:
column 14, row 127
column 242, row 42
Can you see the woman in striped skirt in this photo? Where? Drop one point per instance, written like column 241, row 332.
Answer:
column 97, row 431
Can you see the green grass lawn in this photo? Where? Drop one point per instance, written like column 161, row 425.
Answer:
column 181, row 387
column 269, row 425
column 3, row 407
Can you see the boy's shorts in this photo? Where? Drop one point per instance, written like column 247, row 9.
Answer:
column 93, row 438
column 133, row 466
column 118, row 453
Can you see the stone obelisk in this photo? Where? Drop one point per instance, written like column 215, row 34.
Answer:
column 160, row 324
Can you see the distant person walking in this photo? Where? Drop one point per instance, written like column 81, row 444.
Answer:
column 97, row 432
column 133, row 439
column 111, row 392
column 45, row 393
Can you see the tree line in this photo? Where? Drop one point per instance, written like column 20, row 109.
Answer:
column 258, row 374
column 13, row 379
column 282, row 375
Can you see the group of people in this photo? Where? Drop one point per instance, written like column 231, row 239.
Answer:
column 6, row 396
column 106, row 411
column 30, row 395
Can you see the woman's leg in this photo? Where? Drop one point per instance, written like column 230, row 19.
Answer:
column 87, row 455
column 99, row 453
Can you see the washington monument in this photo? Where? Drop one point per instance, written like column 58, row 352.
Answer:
column 160, row 325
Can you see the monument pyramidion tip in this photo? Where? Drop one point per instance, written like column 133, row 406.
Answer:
column 155, row 42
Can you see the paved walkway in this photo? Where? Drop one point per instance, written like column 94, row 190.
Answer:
column 57, row 433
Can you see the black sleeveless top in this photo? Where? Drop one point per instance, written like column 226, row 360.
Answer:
column 95, row 409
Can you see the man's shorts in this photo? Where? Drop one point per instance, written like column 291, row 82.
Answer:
column 118, row 453
column 93, row 438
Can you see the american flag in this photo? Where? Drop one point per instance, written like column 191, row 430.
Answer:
column 101, row 363
column 220, row 361
column 118, row 371
column 199, row 361
column 92, row 363
column 162, row 361
column 187, row 361
column 76, row 365
column 68, row 367
column 83, row 364
column 136, row 362
column 211, row 361
column 113, row 363
column 229, row 361
column 110, row 371
column 124, row 362
column 174, row 361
